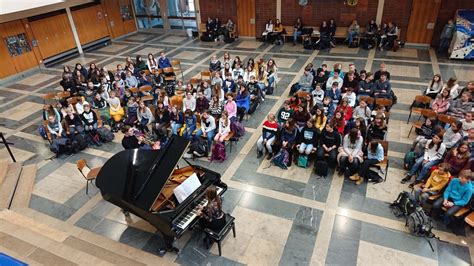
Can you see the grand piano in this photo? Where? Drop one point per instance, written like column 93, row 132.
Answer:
column 142, row 182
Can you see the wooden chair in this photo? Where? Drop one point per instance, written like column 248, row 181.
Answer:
column 146, row 90
column 219, row 235
column 383, row 102
column 169, row 74
column 302, row 94
column 446, row 119
column 470, row 219
column 195, row 82
column 63, row 95
column 205, row 75
column 427, row 113
column 420, row 100
column 386, row 162
column 230, row 139
column 88, row 173
column 369, row 100
column 177, row 67
column 48, row 96
column 178, row 101
column 157, row 72
column 72, row 101
column 100, row 123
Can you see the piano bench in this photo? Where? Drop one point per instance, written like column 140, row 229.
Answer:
column 219, row 236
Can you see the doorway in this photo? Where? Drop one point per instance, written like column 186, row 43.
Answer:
column 170, row 14
column 422, row 21
column 246, row 18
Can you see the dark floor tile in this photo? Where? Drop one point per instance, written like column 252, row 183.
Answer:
column 451, row 254
column 88, row 221
column 51, row 208
column 122, row 233
column 344, row 245
column 267, row 205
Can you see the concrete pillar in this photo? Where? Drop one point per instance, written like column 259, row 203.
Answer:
column 74, row 31
column 278, row 9
column 378, row 19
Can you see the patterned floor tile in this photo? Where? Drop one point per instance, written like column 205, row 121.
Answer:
column 35, row 79
column 21, row 111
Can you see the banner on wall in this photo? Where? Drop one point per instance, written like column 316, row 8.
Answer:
column 17, row 44
column 462, row 45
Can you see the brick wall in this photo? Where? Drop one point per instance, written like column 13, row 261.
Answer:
column 218, row 8
column 447, row 11
column 316, row 11
column 265, row 10
column 398, row 12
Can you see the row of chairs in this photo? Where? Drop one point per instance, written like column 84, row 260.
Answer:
column 430, row 114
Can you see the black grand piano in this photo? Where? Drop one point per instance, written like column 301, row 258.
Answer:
column 142, row 182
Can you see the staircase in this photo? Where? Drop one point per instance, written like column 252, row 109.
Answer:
column 16, row 184
column 39, row 239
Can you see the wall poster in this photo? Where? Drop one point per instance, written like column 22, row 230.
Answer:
column 17, row 44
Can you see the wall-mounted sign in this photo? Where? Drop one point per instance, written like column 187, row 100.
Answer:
column 126, row 12
column 17, row 44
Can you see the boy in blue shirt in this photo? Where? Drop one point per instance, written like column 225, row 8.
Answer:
column 457, row 195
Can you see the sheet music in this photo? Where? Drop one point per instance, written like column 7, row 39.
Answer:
column 190, row 185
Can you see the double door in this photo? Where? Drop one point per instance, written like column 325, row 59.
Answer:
column 167, row 14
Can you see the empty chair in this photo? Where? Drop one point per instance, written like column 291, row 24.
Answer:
column 88, row 173
column 205, row 75
column 169, row 74
column 48, row 96
column 177, row 67
column 369, row 100
column 421, row 102
column 146, row 93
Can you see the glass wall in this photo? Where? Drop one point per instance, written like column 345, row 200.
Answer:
column 148, row 14
column 181, row 14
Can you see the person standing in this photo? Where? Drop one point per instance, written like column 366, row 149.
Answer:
column 446, row 36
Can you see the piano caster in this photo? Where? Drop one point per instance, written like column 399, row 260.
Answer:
column 126, row 213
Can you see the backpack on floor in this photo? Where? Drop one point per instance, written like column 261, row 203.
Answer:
column 81, row 141
column 281, row 159
column 303, row 161
column 207, row 38
column 105, row 134
column 42, row 132
column 373, row 176
column 404, row 205
column 419, row 223
column 218, row 152
column 198, row 147
column 307, row 44
column 409, row 160
column 237, row 128
column 321, row 168
column 269, row 90
column 229, row 40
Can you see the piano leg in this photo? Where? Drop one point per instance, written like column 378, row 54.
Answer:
column 168, row 241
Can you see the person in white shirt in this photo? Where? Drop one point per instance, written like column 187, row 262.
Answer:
column 208, row 128
column 333, row 79
column 351, row 97
column 80, row 105
column 151, row 62
column 189, row 102
column 237, row 71
column 268, row 29
column 467, row 123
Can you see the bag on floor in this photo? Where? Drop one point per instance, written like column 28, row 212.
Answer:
column 303, row 161
column 307, row 44
column 269, row 90
column 409, row 160
column 81, row 141
column 207, row 38
column 218, row 152
column 229, row 40
column 419, row 223
column 404, row 205
column 294, row 88
column 198, row 147
column 42, row 132
column 58, row 145
column 237, row 128
column 105, row 134
column 281, row 159
column 321, row 168
column 373, row 176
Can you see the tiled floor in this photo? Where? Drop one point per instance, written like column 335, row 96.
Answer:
column 282, row 217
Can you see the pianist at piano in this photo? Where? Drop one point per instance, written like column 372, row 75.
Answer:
column 163, row 189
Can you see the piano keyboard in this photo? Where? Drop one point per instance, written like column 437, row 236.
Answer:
column 187, row 218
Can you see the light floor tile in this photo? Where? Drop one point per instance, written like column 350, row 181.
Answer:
column 330, row 64
column 234, row 247
column 139, row 37
column 249, row 45
column 148, row 50
column 262, row 252
column 389, row 190
column 293, row 173
column 21, row 111
column 344, row 50
column 464, row 74
column 113, row 65
column 189, row 55
column 174, row 39
column 404, row 52
column 284, row 62
column 404, row 71
column 60, row 185
column 371, row 254
column 36, row 79
column 113, row 48
column 84, row 60
column 20, row 155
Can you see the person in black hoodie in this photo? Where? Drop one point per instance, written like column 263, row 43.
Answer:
column 307, row 139
column 129, row 140
column 162, row 120
column 90, row 121
column 329, row 142
column 332, row 31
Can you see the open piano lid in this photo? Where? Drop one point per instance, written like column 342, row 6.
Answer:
column 138, row 176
